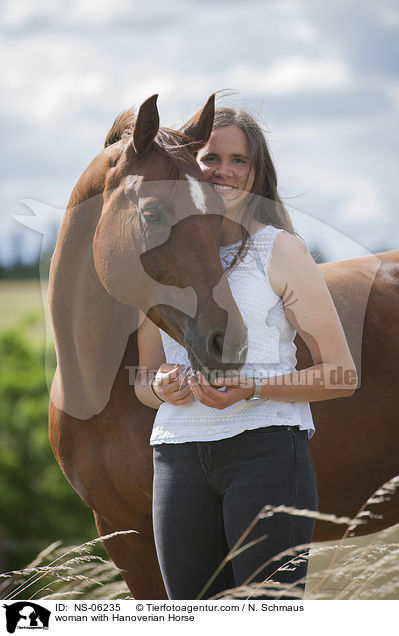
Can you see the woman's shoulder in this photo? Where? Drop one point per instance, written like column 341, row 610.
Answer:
column 290, row 259
column 286, row 242
column 282, row 241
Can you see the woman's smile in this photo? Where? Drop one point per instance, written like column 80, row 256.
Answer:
column 226, row 165
column 220, row 187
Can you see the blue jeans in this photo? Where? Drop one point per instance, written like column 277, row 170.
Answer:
column 207, row 493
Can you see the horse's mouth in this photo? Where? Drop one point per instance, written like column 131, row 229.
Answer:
column 229, row 369
column 196, row 364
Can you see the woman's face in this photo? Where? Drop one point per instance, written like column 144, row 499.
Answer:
column 226, row 164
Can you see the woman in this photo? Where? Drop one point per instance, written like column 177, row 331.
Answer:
column 226, row 448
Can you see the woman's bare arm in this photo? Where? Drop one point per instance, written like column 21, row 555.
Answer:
column 152, row 363
column 312, row 313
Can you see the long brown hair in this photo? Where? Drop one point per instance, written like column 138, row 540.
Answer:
column 266, row 207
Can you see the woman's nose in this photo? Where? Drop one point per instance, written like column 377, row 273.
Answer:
column 224, row 169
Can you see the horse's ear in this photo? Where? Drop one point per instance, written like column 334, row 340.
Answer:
column 146, row 126
column 199, row 127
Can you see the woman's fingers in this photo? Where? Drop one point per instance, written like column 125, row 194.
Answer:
column 182, row 393
column 178, row 385
column 171, row 383
column 205, row 393
column 178, row 401
column 205, row 385
column 168, row 373
column 167, row 377
column 207, row 388
column 183, row 378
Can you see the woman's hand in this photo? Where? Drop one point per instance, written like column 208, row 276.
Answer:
column 237, row 388
column 170, row 384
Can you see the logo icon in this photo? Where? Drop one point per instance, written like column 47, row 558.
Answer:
column 26, row 615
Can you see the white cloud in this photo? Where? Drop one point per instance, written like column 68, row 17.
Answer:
column 391, row 89
column 168, row 86
column 291, row 75
column 340, row 173
column 65, row 92
column 98, row 11
column 16, row 14
column 48, row 77
column 362, row 202
column 388, row 16
column 305, row 32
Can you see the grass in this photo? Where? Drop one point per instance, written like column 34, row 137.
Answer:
column 18, row 298
column 365, row 568
column 63, row 572
column 21, row 301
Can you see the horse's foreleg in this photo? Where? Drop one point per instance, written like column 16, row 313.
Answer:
column 135, row 555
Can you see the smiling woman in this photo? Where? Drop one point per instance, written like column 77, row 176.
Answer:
column 225, row 164
column 224, row 447
column 237, row 156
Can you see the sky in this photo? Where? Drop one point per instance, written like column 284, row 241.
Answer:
column 321, row 77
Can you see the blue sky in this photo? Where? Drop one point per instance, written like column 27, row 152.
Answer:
column 322, row 77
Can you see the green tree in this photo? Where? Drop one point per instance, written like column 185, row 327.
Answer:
column 37, row 505
column 317, row 254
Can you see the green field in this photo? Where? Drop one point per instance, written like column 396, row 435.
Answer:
column 21, row 301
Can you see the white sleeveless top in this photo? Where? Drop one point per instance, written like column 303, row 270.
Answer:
column 271, row 352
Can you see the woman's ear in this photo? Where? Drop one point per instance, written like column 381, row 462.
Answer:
column 198, row 129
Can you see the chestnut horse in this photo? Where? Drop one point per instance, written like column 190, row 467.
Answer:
column 135, row 234
column 112, row 257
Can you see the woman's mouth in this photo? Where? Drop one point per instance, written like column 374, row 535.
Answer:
column 219, row 187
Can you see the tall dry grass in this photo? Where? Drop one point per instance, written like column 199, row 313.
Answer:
column 66, row 572
column 352, row 569
column 348, row 569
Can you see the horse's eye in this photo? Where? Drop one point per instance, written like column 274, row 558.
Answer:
column 152, row 215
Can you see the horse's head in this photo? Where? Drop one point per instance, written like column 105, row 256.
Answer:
column 156, row 244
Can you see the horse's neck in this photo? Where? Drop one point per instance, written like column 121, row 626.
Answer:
column 90, row 328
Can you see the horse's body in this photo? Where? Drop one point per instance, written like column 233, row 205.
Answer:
column 356, row 446
column 100, row 432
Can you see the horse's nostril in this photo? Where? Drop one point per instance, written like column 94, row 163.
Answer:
column 215, row 345
column 219, row 350
column 218, row 341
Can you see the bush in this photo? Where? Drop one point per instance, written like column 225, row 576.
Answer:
column 37, row 504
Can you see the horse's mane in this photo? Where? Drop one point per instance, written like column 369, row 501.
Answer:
column 171, row 141
column 122, row 127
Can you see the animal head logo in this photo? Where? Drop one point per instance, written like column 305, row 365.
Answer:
column 26, row 615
